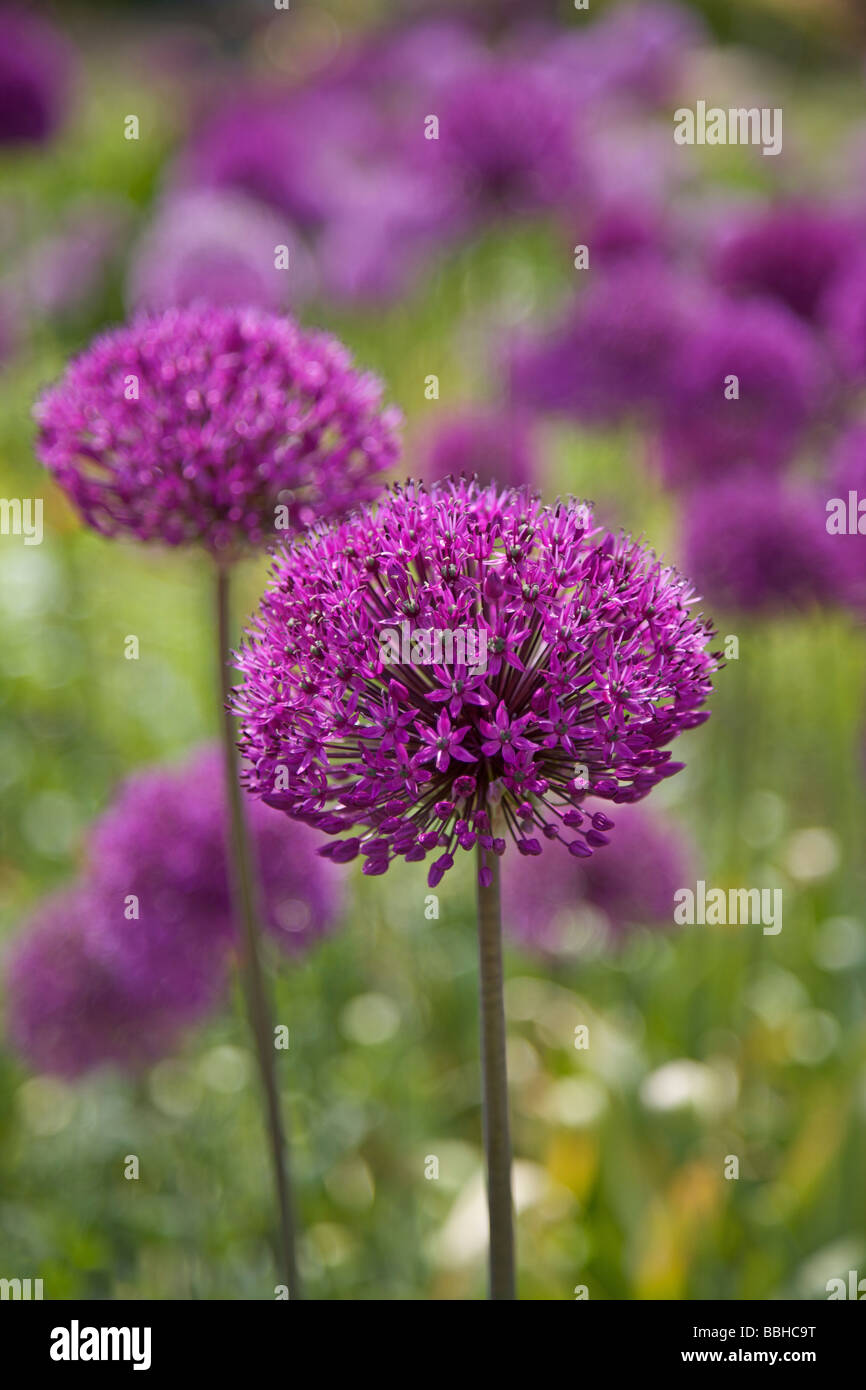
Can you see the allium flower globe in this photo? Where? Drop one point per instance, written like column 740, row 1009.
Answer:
column 791, row 252
column 844, row 315
column 612, row 356
column 164, row 840
column 594, row 662
column 506, row 139
column 493, row 445
column 68, row 1011
column 779, row 373
column 632, row 883
column 844, row 513
column 216, row 245
column 753, row 545
column 194, row 425
column 35, row 76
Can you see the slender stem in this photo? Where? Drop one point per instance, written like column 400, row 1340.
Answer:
column 497, row 1140
column 245, row 893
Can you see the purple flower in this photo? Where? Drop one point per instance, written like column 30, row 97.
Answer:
column 35, row 77
column 376, row 245
column 754, row 545
column 219, row 247
column 491, row 444
column 791, row 253
column 712, row 424
column 255, row 144
column 614, row 353
column 68, row 1011
column 163, row 842
column 633, row 882
column 844, row 315
column 844, row 514
column 634, row 52
column 595, row 621
column 66, row 271
column 506, row 139
column 195, row 425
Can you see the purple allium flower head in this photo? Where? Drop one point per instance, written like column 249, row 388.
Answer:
column 586, row 661
column 507, row 140
column 35, row 77
column 844, row 316
column 220, row 247
column 613, row 354
column 790, row 252
column 68, row 1011
column 252, row 143
column 631, row 883
column 489, row 443
column 234, row 413
column 754, row 545
column 66, row 271
column 779, row 372
column 844, row 515
column 634, row 53
column 164, row 841
column 376, row 246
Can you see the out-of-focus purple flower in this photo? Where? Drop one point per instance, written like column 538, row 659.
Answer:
column 310, row 154
column 35, row 77
column 378, row 243
column 791, row 252
column 507, row 140
column 592, row 662
column 755, row 545
column 845, row 515
column 711, row 424
column 64, row 273
column 633, row 53
column 195, row 424
column 164, row 841
column 613, row 355
column 422, row 53
column 68, row 1011
column 632, row 883
column 218, row 247
column 252, row 144
column 491, row 443
column 844, row 315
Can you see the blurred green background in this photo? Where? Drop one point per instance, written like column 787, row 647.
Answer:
column 706, row 1042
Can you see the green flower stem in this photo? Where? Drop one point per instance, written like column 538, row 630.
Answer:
column 245, row 895
column 497, row 1139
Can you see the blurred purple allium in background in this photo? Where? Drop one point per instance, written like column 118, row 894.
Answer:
column 846, row 484
column 218, row 247
column 507, row 140
column 492, row 443
column 68, row 1011
column 592, row 663
column 779, row 371
column 634, row 53
column 844, row 315
column 789, row 252
column 194, row 425
column 113, row 970
column 66, row 272
column 631, row 884
column 164, row 840
column 612, row 357
column 36, row 65
column 754, row 544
